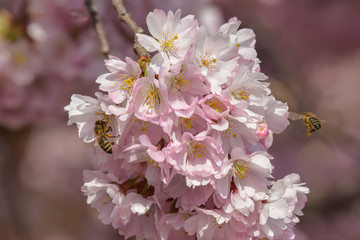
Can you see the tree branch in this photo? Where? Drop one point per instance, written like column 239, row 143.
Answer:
column 125, row 17
column 92, row 9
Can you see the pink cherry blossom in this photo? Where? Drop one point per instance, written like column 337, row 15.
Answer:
column 243, row 39
column 196, row 157
column 191, row 129
column 246, row 86
column 135, row 216
column 103, row 193
column 216, row 59
column 184, row 86
column 172, row 36
column 187, row 197
column 120, row 81
column 148, row 102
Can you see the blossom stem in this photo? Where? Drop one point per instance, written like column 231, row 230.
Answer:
column 125, row 17
column 143, row 191
column 92, row 9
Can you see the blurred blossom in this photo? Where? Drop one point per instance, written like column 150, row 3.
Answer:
column 340, row 77
column 45, row 53
column 211, row 17
column 41, row 172
column 270, row 2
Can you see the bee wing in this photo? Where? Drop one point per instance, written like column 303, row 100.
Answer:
column 295, row 116
column 322, row 121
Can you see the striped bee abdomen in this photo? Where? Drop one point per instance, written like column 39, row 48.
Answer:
column 105, row 144
column 315, row 122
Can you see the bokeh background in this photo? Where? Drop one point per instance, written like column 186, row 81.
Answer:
column 48, row 50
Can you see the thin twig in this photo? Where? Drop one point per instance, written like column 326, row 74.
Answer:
column 125, row 17
column 98, row 27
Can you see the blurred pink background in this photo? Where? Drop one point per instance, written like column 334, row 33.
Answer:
column 48, row 50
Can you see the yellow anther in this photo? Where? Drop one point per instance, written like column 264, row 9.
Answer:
column 126, row 83
column 195, row 149
column 151, row 98
column 107, row 200
column 207, row 60
column 179, row 82
column 240, row 169
column 242, row 93
column 140, row 124
column 187, row 122
column 216, row 104
column 168, row 42
column 146, row 157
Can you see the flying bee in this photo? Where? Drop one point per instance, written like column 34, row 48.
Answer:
column 101, row 130
column 311, row 121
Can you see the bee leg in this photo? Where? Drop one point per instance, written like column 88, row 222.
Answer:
column 109, row 129
column 111, row 136
column 311, row 130
column 308, row 125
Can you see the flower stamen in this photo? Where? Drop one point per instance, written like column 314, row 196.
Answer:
column 241, row 94
column 207, row 60
column 168, row 42
column 240, row 169
column 215, row 222
column 179, row 82
column 187, row 122
column 151, row 96
column 231, row 130
column 216, row 104
column 195, row 149
column 127, row 82
column 148, row 159
column 140, row 124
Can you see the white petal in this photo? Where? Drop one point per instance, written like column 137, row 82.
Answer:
column 149, row 43
column 278, row 209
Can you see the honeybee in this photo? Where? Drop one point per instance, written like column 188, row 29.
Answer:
column 311, row 121
column 101, row 129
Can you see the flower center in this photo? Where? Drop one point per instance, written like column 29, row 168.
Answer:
column 126, row 83
column 179, row 82
column 241, row 94
column 187, row 122
column 230, row 131
column 207, row 60
column 215, row 222
column 216, row 104
column 195, row 149
column 148, row 159
column 168, row 42
column 240, row 169
column 151, row 96
column 140, row 124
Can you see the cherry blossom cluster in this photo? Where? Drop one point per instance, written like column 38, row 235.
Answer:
column 182, row 153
